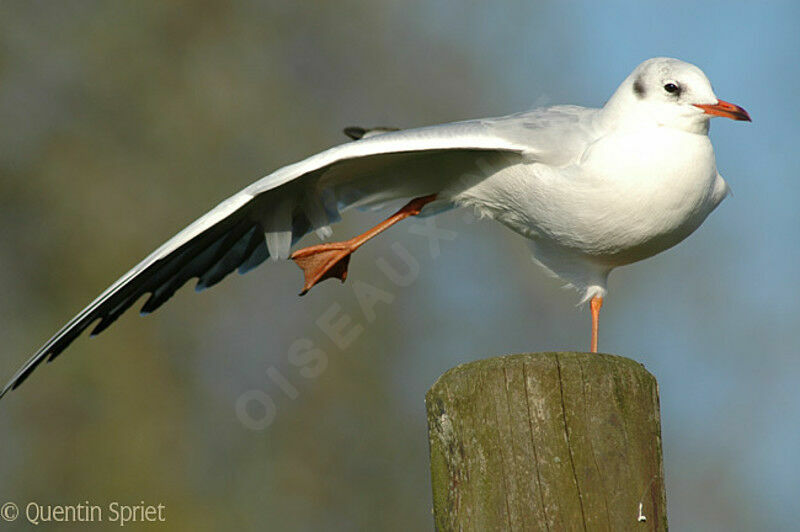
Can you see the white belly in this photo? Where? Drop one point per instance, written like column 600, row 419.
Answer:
column 630, row 196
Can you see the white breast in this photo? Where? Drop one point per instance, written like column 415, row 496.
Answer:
column 650, row 190
column 631, row 195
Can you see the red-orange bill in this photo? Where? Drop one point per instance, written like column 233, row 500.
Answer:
column 726, row 109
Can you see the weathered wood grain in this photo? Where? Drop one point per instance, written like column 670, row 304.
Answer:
column 546, row 441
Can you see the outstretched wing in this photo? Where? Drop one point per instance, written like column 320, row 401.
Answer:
column 270, row 215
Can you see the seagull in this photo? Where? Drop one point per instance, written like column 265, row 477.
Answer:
column 591, row 189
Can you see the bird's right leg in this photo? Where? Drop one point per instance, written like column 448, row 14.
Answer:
column 325, row 261
column 595, row 305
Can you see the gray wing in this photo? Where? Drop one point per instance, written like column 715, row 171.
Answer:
column 268, row 217
column 556, row 135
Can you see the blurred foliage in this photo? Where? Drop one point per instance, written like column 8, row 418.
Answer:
column 120, row 122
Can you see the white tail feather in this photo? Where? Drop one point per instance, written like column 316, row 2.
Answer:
column 318, row 217
column 277, row 225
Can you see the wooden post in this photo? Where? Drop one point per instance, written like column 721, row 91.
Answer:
column 547, row 441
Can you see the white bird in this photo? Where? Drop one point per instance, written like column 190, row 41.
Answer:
column 592, row 189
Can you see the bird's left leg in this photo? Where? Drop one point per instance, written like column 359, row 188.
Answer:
column 331, row 260
column 595, row 305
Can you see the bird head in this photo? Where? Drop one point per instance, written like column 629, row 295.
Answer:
column 670, row 93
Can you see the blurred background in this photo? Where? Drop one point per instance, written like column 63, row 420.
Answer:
column 121, row 122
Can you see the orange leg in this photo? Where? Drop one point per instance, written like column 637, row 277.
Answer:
column 331, row 260
column 595, row 305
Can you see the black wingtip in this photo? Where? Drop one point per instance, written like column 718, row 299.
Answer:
column 23, row 374
column 354, row 132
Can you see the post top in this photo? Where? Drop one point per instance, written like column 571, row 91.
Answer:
column 592, row 361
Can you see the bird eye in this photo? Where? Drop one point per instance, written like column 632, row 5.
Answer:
column 671, row 88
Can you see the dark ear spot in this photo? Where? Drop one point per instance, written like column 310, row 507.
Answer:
column 638, row 88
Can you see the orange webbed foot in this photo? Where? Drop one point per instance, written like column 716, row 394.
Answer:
column 322, row 262
column 331, row 260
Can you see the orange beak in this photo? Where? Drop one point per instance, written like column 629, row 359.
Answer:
column 723, row 108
